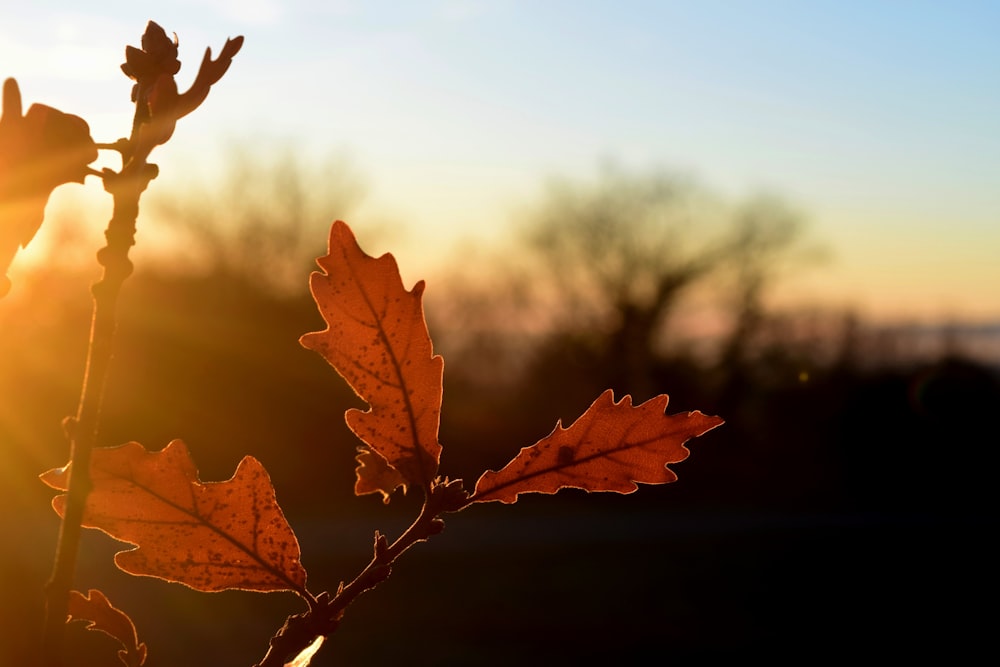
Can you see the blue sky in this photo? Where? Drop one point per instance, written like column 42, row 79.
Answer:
column 879, row 120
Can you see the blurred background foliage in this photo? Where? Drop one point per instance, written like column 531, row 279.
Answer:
column 847, row 500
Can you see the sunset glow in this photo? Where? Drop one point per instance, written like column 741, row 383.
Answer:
column 878, row 121
column 276, row 275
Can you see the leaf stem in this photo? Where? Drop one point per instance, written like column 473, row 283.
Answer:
column 126, row 188
column 323, row 617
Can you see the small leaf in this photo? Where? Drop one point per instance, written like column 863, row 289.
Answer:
column 609, row 448
column 39, row 151
column 153, row 68
column 157, row 56
column 375, row 475
column 209, row 74
column 209, row 536
column 101, row 616
column 376, row 338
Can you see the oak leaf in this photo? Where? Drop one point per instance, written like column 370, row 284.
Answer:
column 377, row 339
column 609, row 448
column 375, row 475
column 152, row 67
column 39, row 151
column 102, row 616
column 210, row 536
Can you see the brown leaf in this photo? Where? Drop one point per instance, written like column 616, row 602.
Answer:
column 157, row 56
column 208, row 75
column 609, row 448
column 39, row 151
column 153, row 68
column 376, row 338
column 375, row 475
column 103, row 617
column 209, row 536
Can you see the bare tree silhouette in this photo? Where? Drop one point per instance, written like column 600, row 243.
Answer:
column 764, row 241
column 621, row 253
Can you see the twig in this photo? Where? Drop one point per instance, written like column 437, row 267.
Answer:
column 126, row 188
column 157, row 109
column 323, row 617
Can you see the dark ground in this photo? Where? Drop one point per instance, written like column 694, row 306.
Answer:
column 623, row 583
column 850, row 516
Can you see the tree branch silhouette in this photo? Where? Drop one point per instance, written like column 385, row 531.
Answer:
column 152, row 66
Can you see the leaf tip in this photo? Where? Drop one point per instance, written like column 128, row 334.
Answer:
column 101, row 616
column 57, row 478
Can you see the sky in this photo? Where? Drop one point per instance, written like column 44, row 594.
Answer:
column 879, row 120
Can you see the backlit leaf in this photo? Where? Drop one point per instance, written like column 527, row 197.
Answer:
column 103, row 617
column 376, row 338
column 375, row 475
column 209, row 536
column 39, row 151
column 153, row 68
column 609, row 448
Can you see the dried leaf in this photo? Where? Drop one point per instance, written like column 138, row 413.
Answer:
column 39, row 151
column 158, row 56
column 101, row 616
column 209, row 536
column 376, row 338
column 208, row 75
column 153, row 68
column 609, row 448
column 375, row 475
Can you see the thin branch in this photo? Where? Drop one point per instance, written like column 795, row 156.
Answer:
column 126, row 188
column 301, row 630
column 153, row 65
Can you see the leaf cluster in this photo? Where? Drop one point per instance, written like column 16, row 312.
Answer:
column 45, row 147
column 232, row 534
column 214, row 536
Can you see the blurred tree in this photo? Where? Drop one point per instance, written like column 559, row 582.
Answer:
column 618, row 256
column 625, row 281
column 763, row 240
column 266, row 216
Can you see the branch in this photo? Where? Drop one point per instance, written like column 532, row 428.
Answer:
column 152, row 67
column 126, row 188
column 301, row 630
